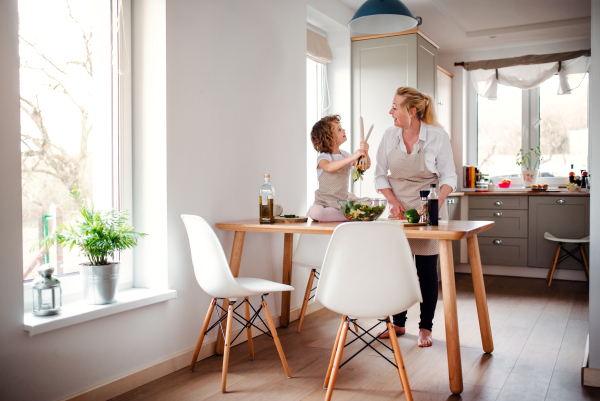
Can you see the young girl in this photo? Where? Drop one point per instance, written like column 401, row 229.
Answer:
column 333, row 169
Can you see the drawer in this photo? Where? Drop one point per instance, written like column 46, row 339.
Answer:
column 498, row 202
column 503, row 251
column 509, row 223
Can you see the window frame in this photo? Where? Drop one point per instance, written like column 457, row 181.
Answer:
column 530, row 133
column 122, row 152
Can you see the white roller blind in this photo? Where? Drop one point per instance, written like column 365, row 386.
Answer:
column 317, row 48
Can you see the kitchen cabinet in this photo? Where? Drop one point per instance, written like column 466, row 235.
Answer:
column 381, row 65
column 443, row 100
column 563, row 217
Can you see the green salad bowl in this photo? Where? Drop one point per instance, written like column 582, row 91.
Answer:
column 363, row 209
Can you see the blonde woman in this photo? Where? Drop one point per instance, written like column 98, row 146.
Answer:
column 413, row 154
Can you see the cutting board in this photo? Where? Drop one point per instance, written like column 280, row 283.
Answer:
column 414, row 224
column 284, row 220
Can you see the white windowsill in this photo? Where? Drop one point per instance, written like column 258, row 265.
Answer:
column 79, row 312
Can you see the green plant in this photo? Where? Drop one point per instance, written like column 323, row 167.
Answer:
column 524, row 158
column 98, row 236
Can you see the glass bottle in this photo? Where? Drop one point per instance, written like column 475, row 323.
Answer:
column 424, row 206
column 433, row 206
column 266, row 199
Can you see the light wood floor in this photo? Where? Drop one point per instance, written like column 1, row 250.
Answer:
column 539, row 340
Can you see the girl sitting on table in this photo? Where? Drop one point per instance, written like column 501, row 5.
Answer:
column 333, row 169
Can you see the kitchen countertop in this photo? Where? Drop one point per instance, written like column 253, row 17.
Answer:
column 520, row 193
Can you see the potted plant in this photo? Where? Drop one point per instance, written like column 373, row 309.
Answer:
column 530, row 175
column 98, row 236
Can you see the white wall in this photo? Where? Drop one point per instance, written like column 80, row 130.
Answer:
column 235, row 104
column 594, row 317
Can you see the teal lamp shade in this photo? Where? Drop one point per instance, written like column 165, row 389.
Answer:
column 382, row 16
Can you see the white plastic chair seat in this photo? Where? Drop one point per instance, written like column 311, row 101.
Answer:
column 258, row 286
column 551, row 237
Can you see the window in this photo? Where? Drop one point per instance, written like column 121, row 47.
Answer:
column 315, row 93
column 524, row 119
column 563, row 129
column 70, row 108
column 499, row 131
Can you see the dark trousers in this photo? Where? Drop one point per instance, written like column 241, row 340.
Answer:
column 428, row 280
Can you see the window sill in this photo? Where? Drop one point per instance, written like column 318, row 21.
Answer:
column 79, row 312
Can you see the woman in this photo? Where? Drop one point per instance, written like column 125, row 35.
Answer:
column 413, row 154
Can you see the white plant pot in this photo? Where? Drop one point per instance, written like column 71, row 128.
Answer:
column 100, row 283
column 530, row 177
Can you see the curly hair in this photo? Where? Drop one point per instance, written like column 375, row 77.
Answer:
column 419, row 101
column 322, row 135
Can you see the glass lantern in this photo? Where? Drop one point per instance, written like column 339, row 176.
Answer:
column 47, row 294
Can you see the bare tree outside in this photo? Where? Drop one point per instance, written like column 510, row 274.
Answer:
column 57, row 116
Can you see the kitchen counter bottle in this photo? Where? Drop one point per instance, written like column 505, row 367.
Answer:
column 267, row 196
column 433, row 206
column 424, row 206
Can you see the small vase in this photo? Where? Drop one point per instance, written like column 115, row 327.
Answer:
column 530, row 177
column 100, row 283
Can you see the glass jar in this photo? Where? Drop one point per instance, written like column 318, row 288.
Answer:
column 47, row 293
column 481, row 186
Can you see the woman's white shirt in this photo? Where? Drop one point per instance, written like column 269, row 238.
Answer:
column 438, row 154
column 330, row 157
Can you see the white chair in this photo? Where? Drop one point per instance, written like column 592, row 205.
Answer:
column 556, row 259
column 309, row 254
column 215, row 278
column 368, row 272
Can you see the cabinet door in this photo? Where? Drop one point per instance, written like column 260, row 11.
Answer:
column 508, row 223
column 443, row 101
column 563, row 217
column 503, row 251
column 426, row 67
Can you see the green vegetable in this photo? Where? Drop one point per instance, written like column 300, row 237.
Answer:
column 412, row 216
column 289, row 216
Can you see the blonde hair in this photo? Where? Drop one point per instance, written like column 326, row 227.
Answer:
column 322, row 135
column 419, row 101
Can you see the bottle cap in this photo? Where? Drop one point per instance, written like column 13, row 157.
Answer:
column 424, row 193
column 267, row 175
column 432, row 185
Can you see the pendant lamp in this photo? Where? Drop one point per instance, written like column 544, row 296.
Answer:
column 382, row 16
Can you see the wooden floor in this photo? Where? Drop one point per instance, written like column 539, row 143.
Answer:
column 539, row 340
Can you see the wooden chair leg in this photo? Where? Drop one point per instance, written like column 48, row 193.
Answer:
column 311, row 279
column 335, row 344
column 249, row 330
column 554, row 263
column 227, row 348
column 585, row 264
column 276, row 338
column 202, row 333
column 399, row 360
column 554, row 257
column 338, row 360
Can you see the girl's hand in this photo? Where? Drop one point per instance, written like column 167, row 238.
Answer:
column 358, row 154
column 364, row 146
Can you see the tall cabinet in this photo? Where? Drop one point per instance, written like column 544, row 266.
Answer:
column 380, row 65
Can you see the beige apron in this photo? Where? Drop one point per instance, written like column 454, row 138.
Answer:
column 334, row 186
column 409, row 175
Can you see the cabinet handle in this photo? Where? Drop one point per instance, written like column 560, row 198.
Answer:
column 498, row 214
column 498, row 203
column 561, row 201
column 497, row 242
column 451, row 201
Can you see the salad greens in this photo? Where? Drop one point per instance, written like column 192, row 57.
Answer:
column 354, row 210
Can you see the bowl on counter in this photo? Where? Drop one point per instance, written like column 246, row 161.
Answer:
column 504, row 185
column 573, row 189
column 363, row 209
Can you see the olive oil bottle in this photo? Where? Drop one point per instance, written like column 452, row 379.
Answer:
column 267, row 197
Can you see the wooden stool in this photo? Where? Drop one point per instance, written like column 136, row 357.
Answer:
column 556, row 259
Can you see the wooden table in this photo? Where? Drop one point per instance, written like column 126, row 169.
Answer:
column 445, row 233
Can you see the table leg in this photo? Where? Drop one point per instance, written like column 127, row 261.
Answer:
column 234, row 265
column 480, row 298
column 451, row 317
column 288, row 247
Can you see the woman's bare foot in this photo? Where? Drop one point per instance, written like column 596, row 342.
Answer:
column 399, row 331
column 425, row 338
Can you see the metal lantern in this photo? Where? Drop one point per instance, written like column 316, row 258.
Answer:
column 47, row 294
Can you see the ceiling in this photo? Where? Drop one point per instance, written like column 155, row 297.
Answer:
column 467, row 24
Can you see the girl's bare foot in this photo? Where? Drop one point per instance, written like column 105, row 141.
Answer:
column 399, row 331
column 425, row 338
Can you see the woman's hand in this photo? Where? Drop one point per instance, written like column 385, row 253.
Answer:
column 396, row 208
column 364, row 146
